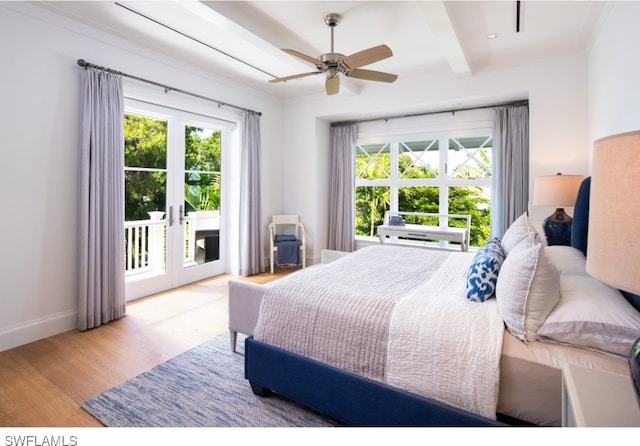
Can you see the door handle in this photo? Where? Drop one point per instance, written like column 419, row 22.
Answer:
column 181, row 216
column 170, row 215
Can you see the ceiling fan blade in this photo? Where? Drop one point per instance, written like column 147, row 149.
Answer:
column 332, row 85
column 370, row 75
column 368, row 56
column 304, row 57
column 294, row 76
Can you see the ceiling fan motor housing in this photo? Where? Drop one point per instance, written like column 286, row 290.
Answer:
column 331, row 58
column 332, row 19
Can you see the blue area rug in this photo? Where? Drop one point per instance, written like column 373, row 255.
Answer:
column 203, row 387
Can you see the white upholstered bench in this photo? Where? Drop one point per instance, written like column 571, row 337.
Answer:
column 245, row 298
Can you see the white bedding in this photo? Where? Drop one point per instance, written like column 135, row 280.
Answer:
column 395, row 314
column 452, row 345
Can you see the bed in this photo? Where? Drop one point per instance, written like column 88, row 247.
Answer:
column 399, row 336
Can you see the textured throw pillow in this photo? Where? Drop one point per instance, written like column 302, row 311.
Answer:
column 483, row 272
column 591, row 315
column 567, row 259
column 528, row 289
column 518, row 231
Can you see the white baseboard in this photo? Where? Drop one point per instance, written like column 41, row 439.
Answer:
column 36, row 329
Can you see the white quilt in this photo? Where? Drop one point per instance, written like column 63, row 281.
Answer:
column 445, row 347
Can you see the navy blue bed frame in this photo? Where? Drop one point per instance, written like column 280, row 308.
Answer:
column 349, row 398
column 358, row 401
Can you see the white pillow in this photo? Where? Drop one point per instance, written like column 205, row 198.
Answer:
column 568, row 260
column 518, row 231
column 528, row 289
column 592, row 315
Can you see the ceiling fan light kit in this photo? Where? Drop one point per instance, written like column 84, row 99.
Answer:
column 333, row 64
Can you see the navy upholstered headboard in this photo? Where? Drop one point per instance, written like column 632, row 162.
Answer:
column 580, row 230
column 580, row 224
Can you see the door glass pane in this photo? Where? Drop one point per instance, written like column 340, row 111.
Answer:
column 145, row 157
column 202, row 193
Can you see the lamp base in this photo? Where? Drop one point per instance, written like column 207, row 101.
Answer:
column 557, row 228
column 634, row 367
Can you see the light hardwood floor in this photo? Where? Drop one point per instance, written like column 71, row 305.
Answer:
column 42, row 384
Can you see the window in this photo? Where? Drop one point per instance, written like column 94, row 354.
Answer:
column 440, row 175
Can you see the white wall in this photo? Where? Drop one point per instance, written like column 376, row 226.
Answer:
column 39, row 155
column 557, row 93
column 614, row 73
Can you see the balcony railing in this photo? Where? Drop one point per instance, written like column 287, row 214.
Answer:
column 145, row 241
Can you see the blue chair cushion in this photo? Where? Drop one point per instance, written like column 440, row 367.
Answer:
column 483, row 272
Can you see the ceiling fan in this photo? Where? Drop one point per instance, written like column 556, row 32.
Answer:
column 335, row 63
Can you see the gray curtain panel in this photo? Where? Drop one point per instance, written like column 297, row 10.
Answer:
column 510, row 191
column 252, row 260
column 102, row 250
column 342, row 158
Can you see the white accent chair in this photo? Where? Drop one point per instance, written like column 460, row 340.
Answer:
column 280, row 224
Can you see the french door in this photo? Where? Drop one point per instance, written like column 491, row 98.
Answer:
column 174, row 203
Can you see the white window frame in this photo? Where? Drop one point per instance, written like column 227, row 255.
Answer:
column 443, row 181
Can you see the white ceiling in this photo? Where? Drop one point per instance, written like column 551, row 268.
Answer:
column 243, row 40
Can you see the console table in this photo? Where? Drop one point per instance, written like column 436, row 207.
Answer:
column 424, row 232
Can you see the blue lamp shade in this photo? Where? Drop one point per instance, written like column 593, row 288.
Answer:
column 558, row 191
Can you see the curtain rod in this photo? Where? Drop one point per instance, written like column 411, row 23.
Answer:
column 167, row 88
column 411, row 115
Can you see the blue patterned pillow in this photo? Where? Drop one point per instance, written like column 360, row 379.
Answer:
column 483, row 272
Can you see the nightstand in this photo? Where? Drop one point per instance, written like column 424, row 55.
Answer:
column 595, row 398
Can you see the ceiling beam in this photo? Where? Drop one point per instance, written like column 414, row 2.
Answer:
column 439, row 22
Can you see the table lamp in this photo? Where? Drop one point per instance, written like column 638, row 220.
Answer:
column 613, row 252
column 559, row 191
